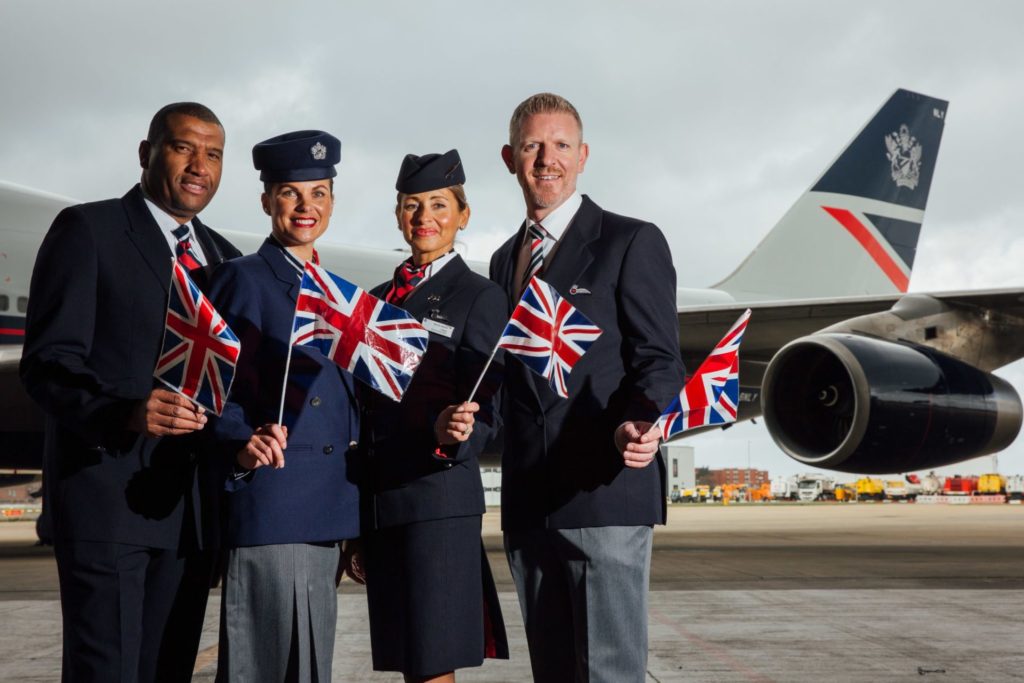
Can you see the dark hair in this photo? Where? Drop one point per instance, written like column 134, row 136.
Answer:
column 159, row 126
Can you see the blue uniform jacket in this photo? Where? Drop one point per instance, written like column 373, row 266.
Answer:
column 314, row 497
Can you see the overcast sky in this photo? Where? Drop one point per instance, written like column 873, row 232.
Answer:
column 708, row 119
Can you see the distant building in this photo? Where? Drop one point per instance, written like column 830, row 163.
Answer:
column 737, row 475
column 679, row 462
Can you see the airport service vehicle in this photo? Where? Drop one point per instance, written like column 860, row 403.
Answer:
column 870, row 489
column 702, row 493
column 930, row 484
column 899, row 489
column 1015, row 487
column 960, row 486
column 784, row 488
column 845, row 492
column 812, row 487
column 761, row 493
column 991, row 484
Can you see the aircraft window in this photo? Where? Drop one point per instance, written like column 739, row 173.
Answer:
column 5, row 302
column 22, row 304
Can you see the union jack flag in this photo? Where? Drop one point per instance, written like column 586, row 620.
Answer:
column 199, row 351
column 712, row 395
column 548, row 334
column 378, row 343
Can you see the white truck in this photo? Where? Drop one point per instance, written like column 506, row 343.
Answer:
column 1015, row 487
column 812, row 487
column 784, row 488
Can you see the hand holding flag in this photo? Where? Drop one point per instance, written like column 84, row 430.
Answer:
column 199, row 350
column 711, row 397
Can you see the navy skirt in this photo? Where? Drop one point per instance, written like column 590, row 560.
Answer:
column 433, row 604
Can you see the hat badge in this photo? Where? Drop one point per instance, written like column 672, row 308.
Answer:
column 318, row 151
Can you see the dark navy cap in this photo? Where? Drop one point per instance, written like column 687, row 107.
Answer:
column 302, row 155
column 430, row 172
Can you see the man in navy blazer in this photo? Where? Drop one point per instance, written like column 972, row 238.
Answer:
column 582, row 479
column 120, row 456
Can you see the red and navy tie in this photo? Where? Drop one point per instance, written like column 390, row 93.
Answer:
column 407, row 276
column 540, row 244
column 183, row 250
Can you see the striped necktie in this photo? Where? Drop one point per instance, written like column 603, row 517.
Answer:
column 183, row 250
column 407, row 276
column 540, row 245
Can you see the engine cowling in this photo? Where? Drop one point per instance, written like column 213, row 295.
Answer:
column 861, row 404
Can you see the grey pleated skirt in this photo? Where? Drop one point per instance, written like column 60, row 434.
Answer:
column 279, row 609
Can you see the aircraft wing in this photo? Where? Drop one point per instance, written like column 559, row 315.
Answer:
column 773, row 324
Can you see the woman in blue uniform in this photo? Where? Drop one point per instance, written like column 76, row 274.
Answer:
column 433, row 606
column 291, row 497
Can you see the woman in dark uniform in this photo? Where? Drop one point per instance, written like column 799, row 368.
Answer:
column 433, row 606
column 291, row 496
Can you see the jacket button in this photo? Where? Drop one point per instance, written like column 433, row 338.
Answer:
column 540, row 420
column 315, row 401
column 328, row 450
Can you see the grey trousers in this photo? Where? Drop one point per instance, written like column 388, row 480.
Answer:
column 278, row 615
column 583, row 594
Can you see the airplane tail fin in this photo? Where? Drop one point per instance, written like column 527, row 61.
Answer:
column 855, row 231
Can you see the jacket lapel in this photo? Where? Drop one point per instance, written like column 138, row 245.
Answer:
column 211, row 251
column 574, row 253
column 430, row 295
column 506, row 264
column 145, row 234
column 283, row 270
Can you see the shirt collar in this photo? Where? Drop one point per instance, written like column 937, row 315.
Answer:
column 164, row 220
column 437, row 264
column 556, row 222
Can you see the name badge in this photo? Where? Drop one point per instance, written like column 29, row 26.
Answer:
column 438, row 328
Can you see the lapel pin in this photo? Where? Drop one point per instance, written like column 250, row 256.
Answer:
column 576, row 289
column 433, row 299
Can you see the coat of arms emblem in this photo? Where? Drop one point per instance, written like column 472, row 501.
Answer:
column 905, row 156
column 318, row 151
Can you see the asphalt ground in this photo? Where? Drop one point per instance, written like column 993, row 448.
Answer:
column 773, row 592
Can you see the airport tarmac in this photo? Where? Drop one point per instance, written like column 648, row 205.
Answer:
column 862, row 592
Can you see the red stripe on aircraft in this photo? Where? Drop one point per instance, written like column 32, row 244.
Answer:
column 871, row 245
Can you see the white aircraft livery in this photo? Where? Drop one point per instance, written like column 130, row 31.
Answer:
column 850, row 371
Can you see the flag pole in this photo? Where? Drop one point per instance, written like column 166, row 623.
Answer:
column 284, row 385
column 487, row 365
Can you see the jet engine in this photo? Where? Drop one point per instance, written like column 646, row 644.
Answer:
column 862, row 404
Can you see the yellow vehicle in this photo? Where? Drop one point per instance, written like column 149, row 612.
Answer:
column 845, row 492
column 761, row 493
column 716, row 493
column 870, row 489
column 991, row 484
column 702, row 493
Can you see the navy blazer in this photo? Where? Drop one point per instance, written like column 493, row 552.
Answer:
column 314, row 498
column 405, row 483
column 560, row 467
column 97, row 307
